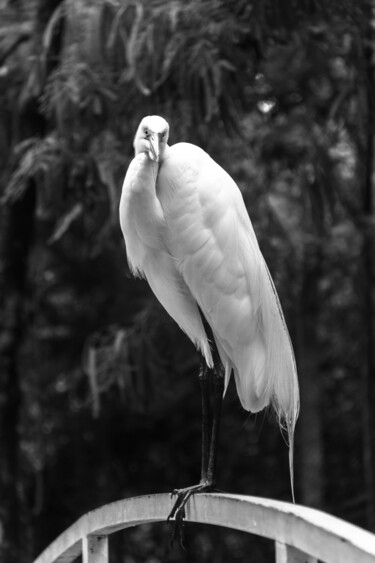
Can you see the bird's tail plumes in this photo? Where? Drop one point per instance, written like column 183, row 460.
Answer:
column 287, row 414
column 283, row 386
column 265, row 370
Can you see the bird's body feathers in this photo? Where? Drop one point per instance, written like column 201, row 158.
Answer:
column 211, row 238
column 187, row 231
column 193, row 240
column 146, row 233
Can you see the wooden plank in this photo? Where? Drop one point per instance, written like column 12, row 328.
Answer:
column 321, row 535
column 95, row 549
column 313, row 532
column 289, row 554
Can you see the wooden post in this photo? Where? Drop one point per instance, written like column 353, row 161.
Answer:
column 95, row 549
column 289, row 554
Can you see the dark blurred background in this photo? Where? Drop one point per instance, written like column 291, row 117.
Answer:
column 99, row 395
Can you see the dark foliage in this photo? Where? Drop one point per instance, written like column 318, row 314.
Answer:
column 99, row 396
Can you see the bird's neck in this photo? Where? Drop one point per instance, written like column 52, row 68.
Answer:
column 144, row 172
column 145, row 162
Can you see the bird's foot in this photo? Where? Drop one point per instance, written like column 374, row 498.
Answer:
column 178, row 511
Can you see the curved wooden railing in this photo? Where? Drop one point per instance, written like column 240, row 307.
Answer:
column 301, row 534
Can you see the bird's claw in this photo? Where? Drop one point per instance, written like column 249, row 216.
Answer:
column 175, row 492
column 178, row 511
column 178, row 504
column 178, row 527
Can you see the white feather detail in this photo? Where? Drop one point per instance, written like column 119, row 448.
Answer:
column 172, row 292
column 143, row 225
column 187, row 231
column 210, row 235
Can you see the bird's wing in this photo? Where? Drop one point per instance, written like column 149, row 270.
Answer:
column 213, row 241
column 143, row 225
column 169, row 287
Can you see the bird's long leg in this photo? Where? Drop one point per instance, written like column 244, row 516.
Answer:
column 216, row 417
column 181, row 493
column 209, row 446
column 218, row 381
column 209, row 454
column 209, row 437
column 204, row 383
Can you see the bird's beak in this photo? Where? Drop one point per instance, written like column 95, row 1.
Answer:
column 154, row 148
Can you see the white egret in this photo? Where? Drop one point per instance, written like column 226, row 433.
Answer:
column 188, row 233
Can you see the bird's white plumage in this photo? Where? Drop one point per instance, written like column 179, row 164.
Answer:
column 213, row 242
column 145, row 232
column 187, row 231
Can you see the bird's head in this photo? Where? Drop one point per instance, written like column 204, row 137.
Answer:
column 151, row 137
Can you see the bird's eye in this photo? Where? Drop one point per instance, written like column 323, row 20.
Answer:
column 147, row 132
column 162, row 135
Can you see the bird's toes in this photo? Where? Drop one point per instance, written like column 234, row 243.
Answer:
column 177, row 504
column 178, row 532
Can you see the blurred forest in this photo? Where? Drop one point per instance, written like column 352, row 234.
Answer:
column 99, row 395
